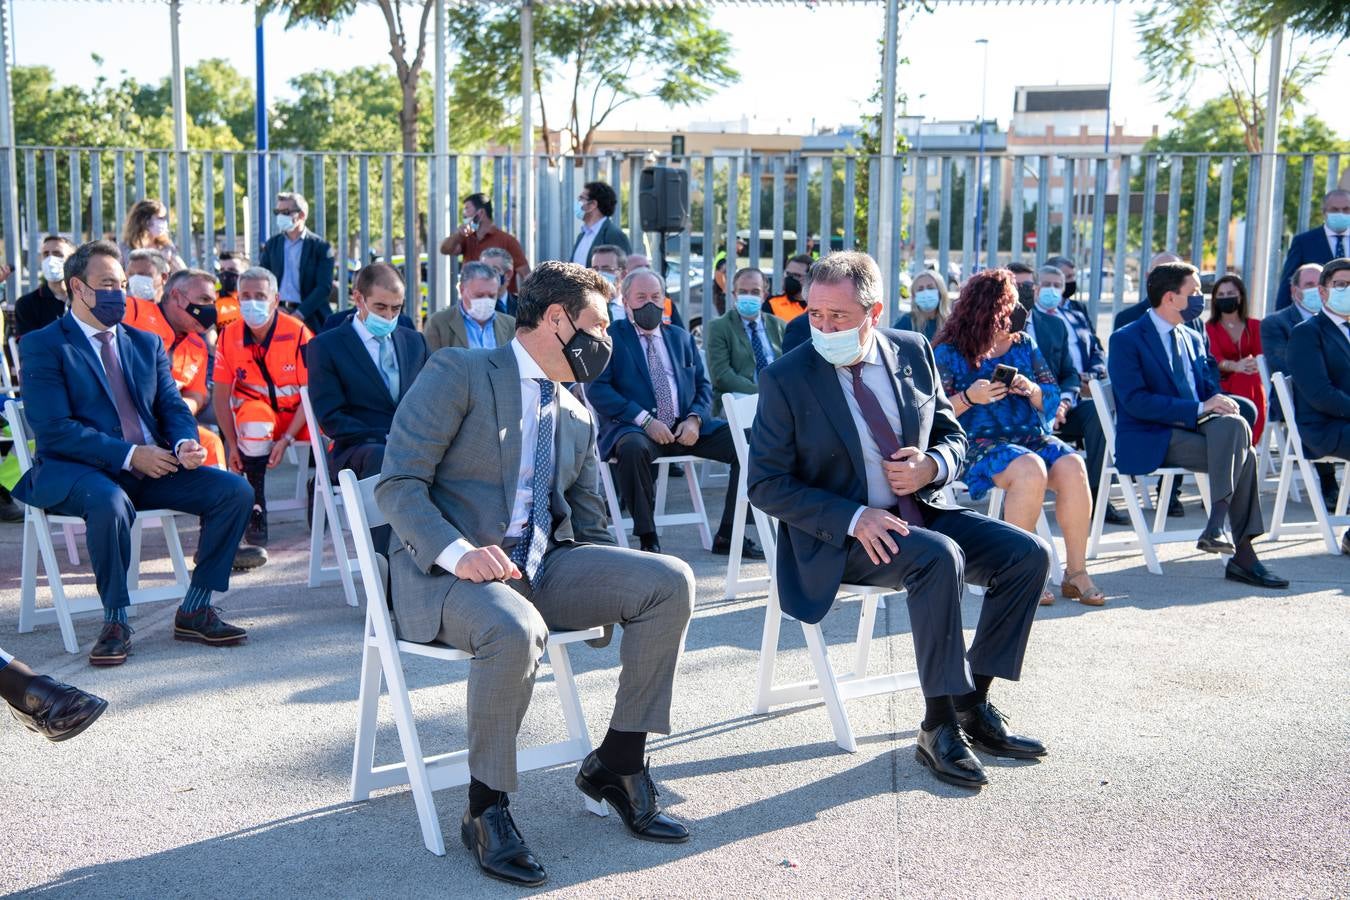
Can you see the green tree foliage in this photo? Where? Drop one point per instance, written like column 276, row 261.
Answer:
column 1181, row 39
column 1316, row 18
column 607, row 56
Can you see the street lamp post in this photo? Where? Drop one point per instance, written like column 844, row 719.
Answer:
column 979, row 177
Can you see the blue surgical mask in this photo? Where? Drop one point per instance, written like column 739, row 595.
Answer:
column 1312, row 300
column 839, row 348
column 1338, row 301
column 109, row 306
column 748, row 305
column 255, row 312
column 1048, row 298
column 1195, row 307
column 1338, row 221
column 927, row 299
column 379, row 326
column 580, row 210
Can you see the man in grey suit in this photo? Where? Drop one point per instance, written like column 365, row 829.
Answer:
column 475, row 322
column 490, row 483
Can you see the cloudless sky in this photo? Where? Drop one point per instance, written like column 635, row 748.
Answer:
column 800, row 66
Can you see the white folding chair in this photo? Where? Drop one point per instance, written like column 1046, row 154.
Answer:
column 1272, row 439
column 381, row 661
column 1143, row 539
column 1294, row 460
column 299, row 455
column 740, row 412
column 9, row 384
column 37, row 539
column 324, row 516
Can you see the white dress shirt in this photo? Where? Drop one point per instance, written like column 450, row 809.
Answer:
column 1165, row 329
column 659, row 340
column 760, row 330
column 1339, row 322
column 878, row 380
column 1331, row 240
column 588, row 235
column 368, row 340
column 449, row 558
column 92, row 334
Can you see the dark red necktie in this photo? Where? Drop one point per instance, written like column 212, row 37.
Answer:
column 885, row 438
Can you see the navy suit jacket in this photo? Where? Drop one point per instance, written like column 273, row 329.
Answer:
column 609, row 234
column 1148, row 402
column 71, row 410
column 624, row 389
column 797, row 332
column 343, row 316
column 806, row 459
column 350, row 401
column 316, row 274
column 1319, row 360
column 1052, row 338
column 1309, row 246
column 1275, row 331
column 1134, row 313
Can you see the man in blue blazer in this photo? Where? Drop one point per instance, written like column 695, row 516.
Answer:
column 302, row 262
column 113, row 436
column 1169, row 412
column 1318, row 245
column 851, row 446
column 1319, row 359
column 653, row 400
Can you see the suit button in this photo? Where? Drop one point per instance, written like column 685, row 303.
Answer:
column 501, row 526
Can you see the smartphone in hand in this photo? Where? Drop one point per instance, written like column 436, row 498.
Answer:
column 1004, row 374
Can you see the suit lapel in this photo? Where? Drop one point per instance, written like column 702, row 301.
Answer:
column 358, row 351
column 903, row 385
column 624, row 331
column 1333, row 335
column 458, row 329
column 403, row 353
column 76, row 337
column 824, row 381
column 505, row 379
column 1154, row 342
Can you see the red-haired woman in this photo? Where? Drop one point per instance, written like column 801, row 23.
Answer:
column 1011, row 444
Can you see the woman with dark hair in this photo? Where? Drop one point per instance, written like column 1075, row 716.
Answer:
column 147, row 228
column 1235, row 341
column 1009, row 424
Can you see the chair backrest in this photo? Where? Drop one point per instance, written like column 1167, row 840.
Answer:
column 740, row 410
column 1264, row 368
column 18, row 429
column 1284, row 389
column 363, row 513
column 7, row 377
column 316, row 447
column 1104, row 401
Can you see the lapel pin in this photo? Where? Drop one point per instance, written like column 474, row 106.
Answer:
column 907, row 371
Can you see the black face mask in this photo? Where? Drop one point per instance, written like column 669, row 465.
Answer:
column 229, row 281
column 1227, row 305
column 204, row 313
column 1018, row 320
column 648, row 317
column 587, row 355
column 792, row 285
column 1026, row 294
column 1069, row 287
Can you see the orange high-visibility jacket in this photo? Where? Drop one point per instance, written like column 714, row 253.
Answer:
column 272, row 371
column 187, row 356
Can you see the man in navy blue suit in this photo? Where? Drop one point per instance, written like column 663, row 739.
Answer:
column 853, row 441
column 653, row 400
column 1319, row 361
column 360, row 370
column 1318, row 245
column 113, row 436
column 1169, row 412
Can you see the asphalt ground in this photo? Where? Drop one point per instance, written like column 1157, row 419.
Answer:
column 1197, row 732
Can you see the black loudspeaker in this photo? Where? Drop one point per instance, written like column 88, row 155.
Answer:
column 663, row 197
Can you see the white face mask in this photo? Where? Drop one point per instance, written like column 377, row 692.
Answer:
column 141, row 287
column 53, row 270
column 159, row 226
column 482, row 308
column 285, row 221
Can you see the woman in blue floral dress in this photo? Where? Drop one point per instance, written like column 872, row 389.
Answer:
column 1010, row 428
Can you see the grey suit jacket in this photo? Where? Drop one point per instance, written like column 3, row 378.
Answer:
column 446, row 329
column 450, row 471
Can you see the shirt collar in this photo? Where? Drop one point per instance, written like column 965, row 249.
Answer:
column 1338, row 321
column 595, row 227
column 293, row 241
column 1334, row 234
column 1164, row 327
column 361, row 330
column 89, row 330
column 525, row 362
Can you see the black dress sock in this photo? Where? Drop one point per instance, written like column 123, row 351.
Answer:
column 482, row 797
column 977, row 696
column 1246, row 553
column 936, row 711
column 621, row 751
column 1218, row 513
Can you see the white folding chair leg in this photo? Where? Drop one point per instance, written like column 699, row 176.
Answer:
column 1056, row 568
column 1141, row 532
column 696, row 498
column 72, row 545
column 326, row 521
column 1164, row 503
column 866, row 624
column 768, row 651
column 418, row 779
column 367, row 719
column 561, row 664
column 829, row 688
column 612, row 501
column 40, row 532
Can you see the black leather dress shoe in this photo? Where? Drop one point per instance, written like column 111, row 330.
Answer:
column 1216, row 540
column 205, row 626
column 56, row 711
column 496, row 843
column 255, row 532
column 944, row 751
column 113, row 645
column 1345, row 542
column 649, row 544
column 721, row 546
column 248, row 557
column 9, row 510
column 1115, row 516
column 1257, row 576
column 1175, row 510
column 633, row 798
column 987, row 730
